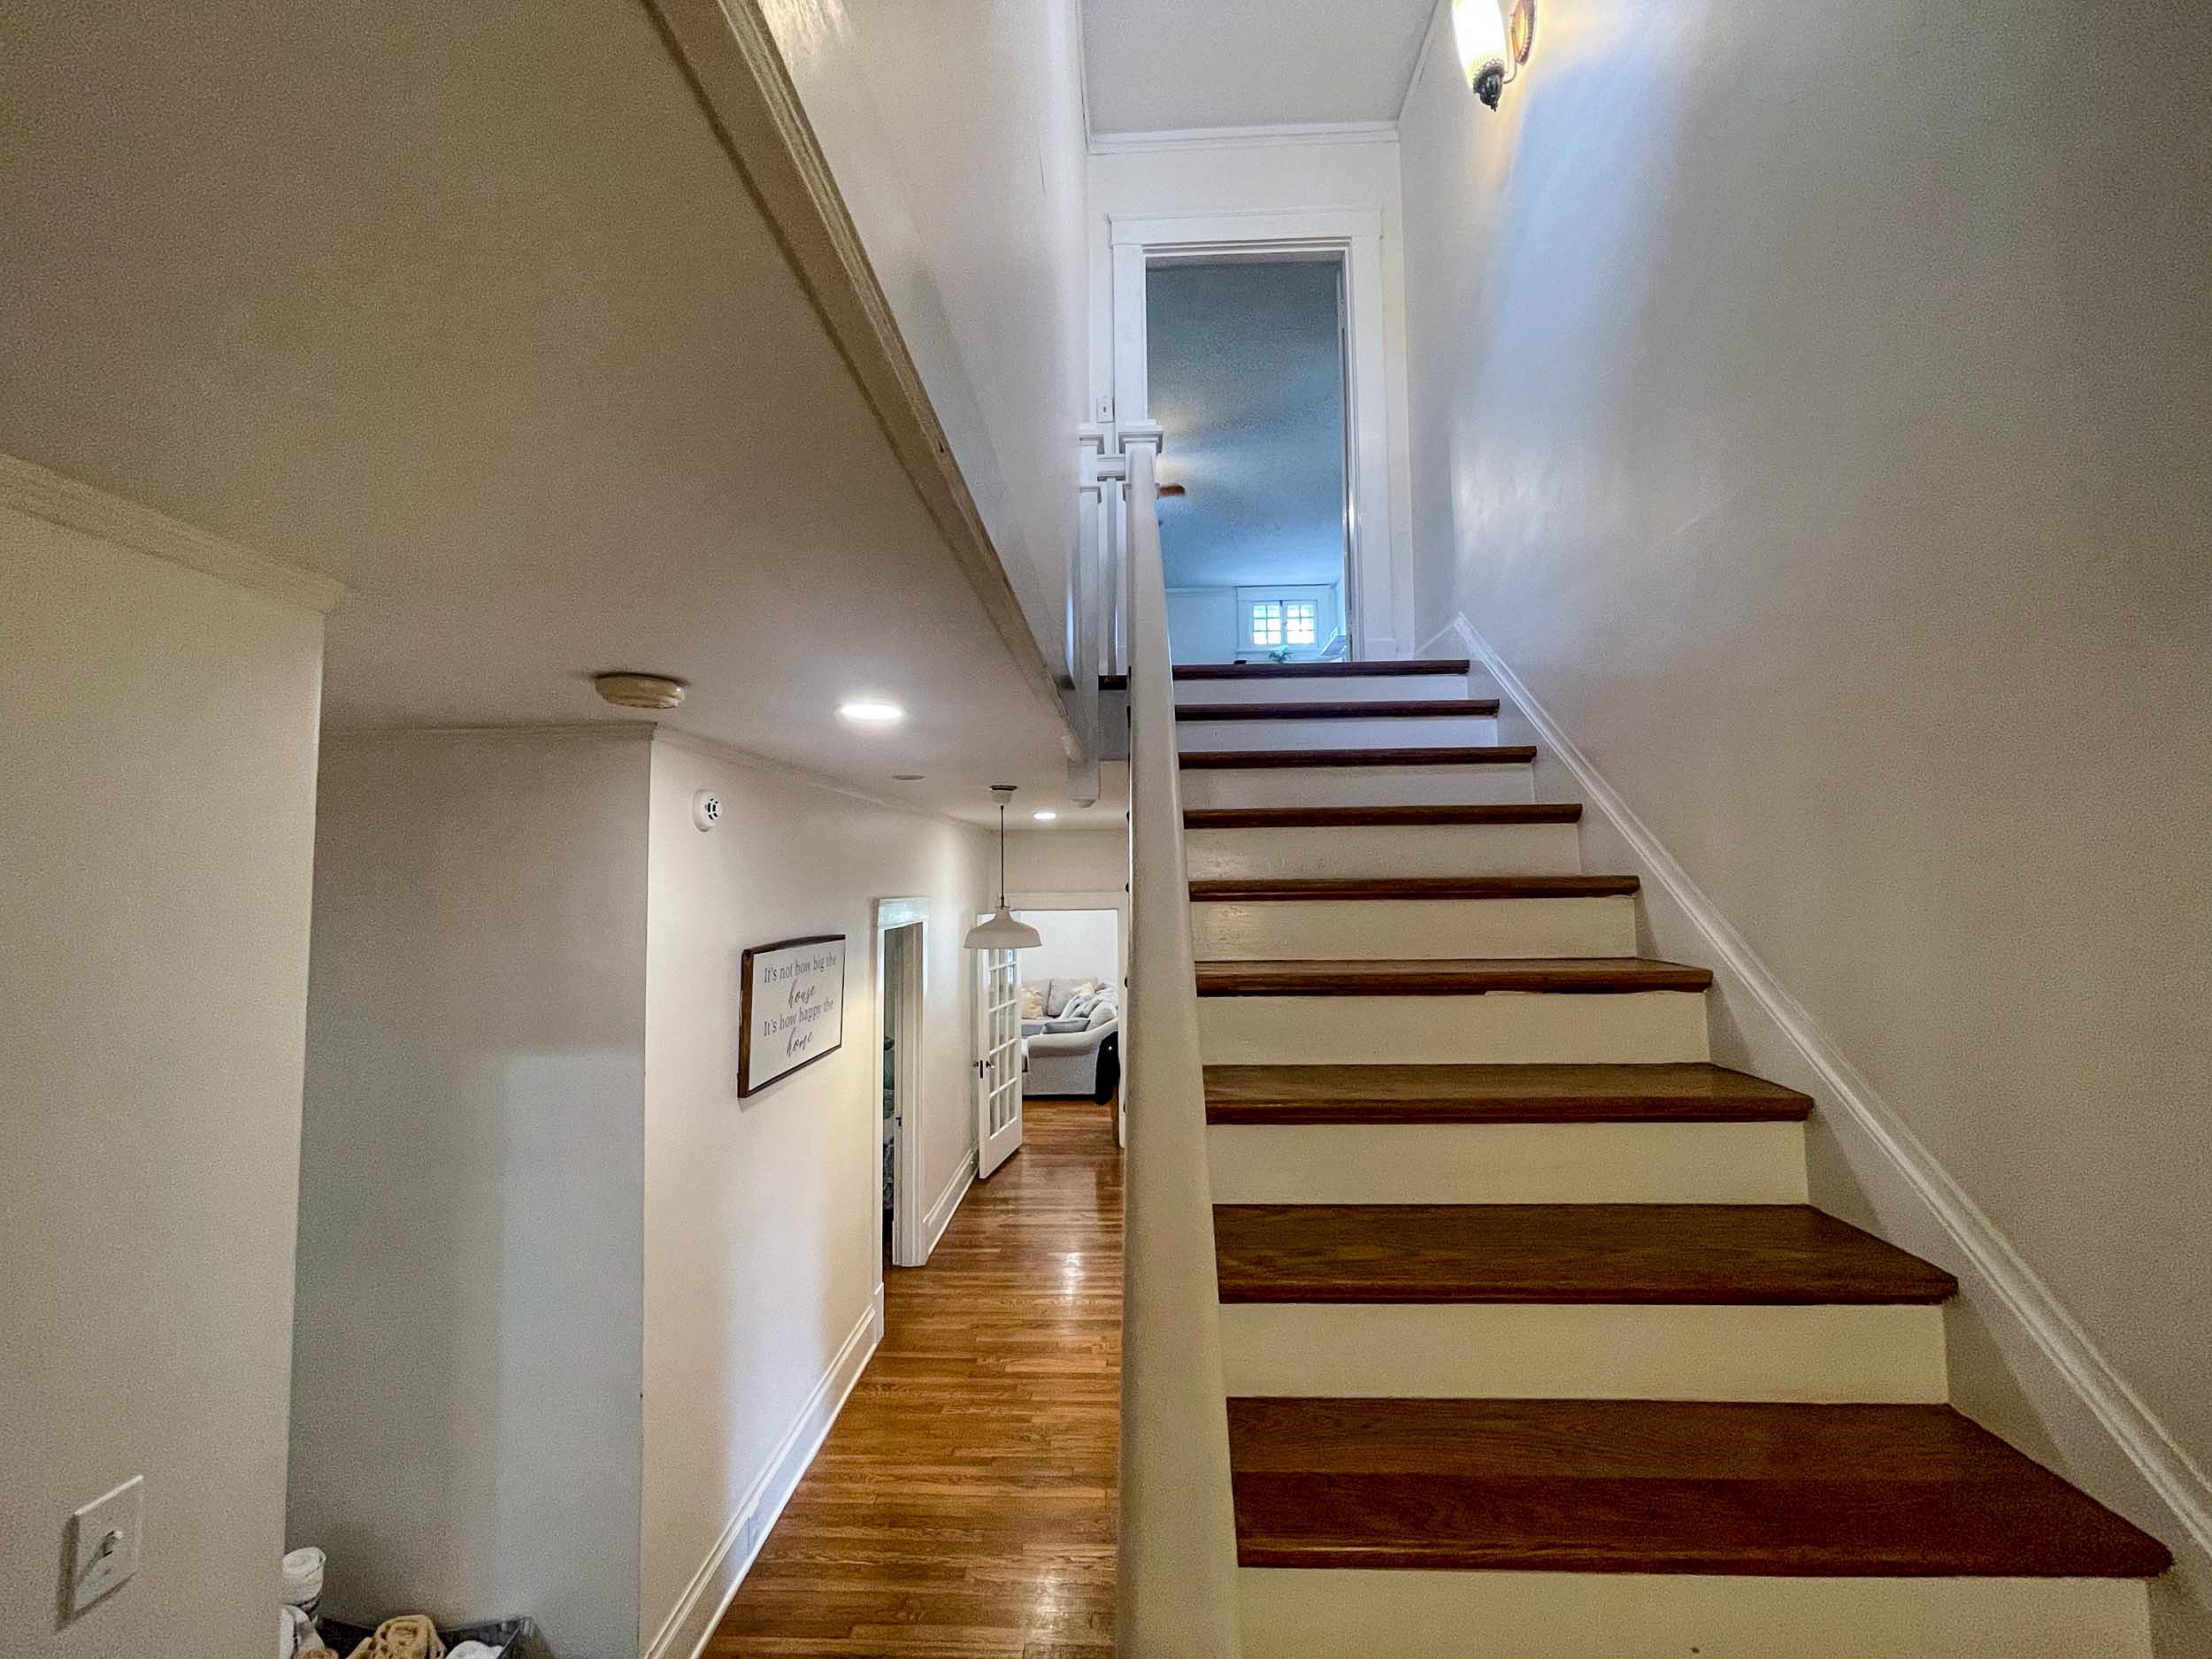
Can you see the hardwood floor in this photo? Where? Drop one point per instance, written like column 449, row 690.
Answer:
column 965, row 1503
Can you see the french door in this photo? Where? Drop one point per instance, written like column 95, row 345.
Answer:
column 998, row 1067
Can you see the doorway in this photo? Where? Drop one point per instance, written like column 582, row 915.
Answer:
column 1343, row 246
column 1246, row 368
column 901, row 989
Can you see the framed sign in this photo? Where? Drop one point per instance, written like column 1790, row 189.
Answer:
column 792, row 1011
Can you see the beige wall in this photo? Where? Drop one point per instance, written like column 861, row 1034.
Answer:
column 1068, row 859
column 763, row 1243
column 465, row 1378
column 156, row 830
column 1810, row 407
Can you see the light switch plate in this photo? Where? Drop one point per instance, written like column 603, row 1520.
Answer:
column 104, row 1545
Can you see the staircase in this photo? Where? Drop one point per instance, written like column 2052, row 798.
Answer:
column 1535, row 1348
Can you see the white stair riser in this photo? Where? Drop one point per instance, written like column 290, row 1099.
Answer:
column 1832, row 1354
column 1507, row 1164
column 1325, row 688
column 1384, row 850
column 1294, row 930
column 1504, row 1027
column 1403, row 732
column 1317, row 1613
column 1358, row 786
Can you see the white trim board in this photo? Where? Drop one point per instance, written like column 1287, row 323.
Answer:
column 1245, row 137
column 947, row 1205
column 41, row 493
column 715, row 1585
column 2079, row 1399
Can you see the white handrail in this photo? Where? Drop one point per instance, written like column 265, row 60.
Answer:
column 1177, row 1585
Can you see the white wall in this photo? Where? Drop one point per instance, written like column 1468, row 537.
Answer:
column 1069, row 859
column 465, row 1419
column 956, row 132
column 1243, row 176
column 155, row 829
column 762, row 1216
column 1078, row 945
column 1827, row 451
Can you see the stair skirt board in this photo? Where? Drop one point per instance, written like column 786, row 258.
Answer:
column 1317, row 1613
column 1390, row 929
column 1385, row 731
column 1508, row 1028
column 1507, row 1164
column 1473, row 785
column 1344, row 688
column 1384, row 850
column 1817, row 1354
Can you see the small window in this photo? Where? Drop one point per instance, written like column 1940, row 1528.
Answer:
column 1299, row 622
column 1267, row 623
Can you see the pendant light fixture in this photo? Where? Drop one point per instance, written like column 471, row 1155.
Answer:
column 1002, row 930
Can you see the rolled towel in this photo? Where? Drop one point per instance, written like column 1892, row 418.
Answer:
column 410, row 1636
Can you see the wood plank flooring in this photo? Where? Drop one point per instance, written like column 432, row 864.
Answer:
column 965, row 1503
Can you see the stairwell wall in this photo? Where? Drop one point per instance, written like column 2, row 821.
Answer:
column 1825, row 454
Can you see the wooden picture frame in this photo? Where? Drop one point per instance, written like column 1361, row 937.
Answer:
column 791, row 996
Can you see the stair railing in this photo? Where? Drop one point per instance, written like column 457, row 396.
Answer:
column 1176, row 1583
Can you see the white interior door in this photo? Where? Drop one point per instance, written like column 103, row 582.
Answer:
column 998, row 1067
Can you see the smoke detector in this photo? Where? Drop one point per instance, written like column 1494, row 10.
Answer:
column 640, row 691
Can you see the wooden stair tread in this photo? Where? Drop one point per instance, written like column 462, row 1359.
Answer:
column 1284, row 759
column 1638, row 1486
column 1450, row 977
column 1687, row 1091
column 1708, row 1253
column 1224, row 890
column 1381, row 817
column 1417, row 709
column 1396, row 667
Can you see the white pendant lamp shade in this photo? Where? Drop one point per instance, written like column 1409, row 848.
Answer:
column 1002, row 930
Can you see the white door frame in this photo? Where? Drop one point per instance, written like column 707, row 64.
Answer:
column 909, row 1247
column 1376, row 588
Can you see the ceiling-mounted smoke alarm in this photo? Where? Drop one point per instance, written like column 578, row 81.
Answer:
column 640, row 691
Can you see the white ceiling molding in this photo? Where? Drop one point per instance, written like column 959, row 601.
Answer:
column 41, row 493
column 1245, row 137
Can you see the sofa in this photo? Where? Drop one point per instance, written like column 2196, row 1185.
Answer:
column 1065, row 1024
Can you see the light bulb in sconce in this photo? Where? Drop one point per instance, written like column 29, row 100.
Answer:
column 1478, row 31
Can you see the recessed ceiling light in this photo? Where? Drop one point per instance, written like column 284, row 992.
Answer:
column 866, row 711
column 1044, row 817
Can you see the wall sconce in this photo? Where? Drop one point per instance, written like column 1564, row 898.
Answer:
column 1491, row 47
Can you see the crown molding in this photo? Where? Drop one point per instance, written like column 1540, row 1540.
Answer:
column 41, row 493
column 1245, row 137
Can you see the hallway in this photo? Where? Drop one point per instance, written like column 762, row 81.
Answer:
column 965, row 1503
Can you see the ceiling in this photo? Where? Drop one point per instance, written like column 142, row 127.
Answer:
column 1153, row 65
column 464, row 306
column 1247, row 381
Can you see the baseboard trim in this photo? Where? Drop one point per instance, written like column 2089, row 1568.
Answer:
column 940, row 1215
column 684, row 1632
column 2172, row 1477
